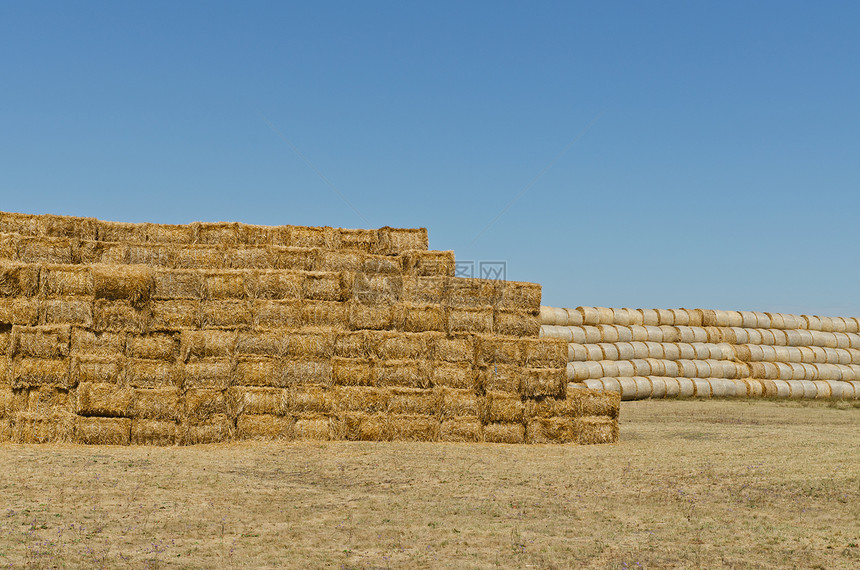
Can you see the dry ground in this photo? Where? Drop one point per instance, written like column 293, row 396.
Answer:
column 692, row 484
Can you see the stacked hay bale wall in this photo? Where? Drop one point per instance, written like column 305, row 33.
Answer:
column 115, row 333
column 668, row 353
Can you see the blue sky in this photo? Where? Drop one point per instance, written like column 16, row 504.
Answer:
column 641, row 154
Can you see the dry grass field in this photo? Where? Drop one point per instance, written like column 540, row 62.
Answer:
column 713, row 484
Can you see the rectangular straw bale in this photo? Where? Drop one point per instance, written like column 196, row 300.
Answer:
column 439, row 263
column 500, row 407
column 309, row 343
column 201, row 405
column 163, row 404
column 119, row 316
column 370, row 289
column 216, row 233
column 6, row 431
column 214, row 373
column 317, row 237
column 110, row 400
column 15, row 223
column 262, row 343
column 5, row 347
column 102, row 431
column 422, row 318
column 51, row 427
column 392, row 241
column 421, row 290
column 8, row 402
column 45, row 250
column 551, row 430
column 479, row 320
column 349, row 261
column 549, row 407
column 295, row 258
column 367, row 399
column 306, row 371
column 200, row 257
column 544, row 352
column 217, row 429
column 179, row 284
column 250, row 257
column 361, row 426
column 150, row 254
column 380, row 265
column 207, row 344
column 308, row 400
column 225, row 284
column 168, row 233
column 264, row 427
column 318, row 428
column 402, row 373
column 120, row 231
column 154, row 432
column 404, row 427
column 30, row 372
column 62, row 280
column 519, row 296
column 391, row 345
column 101, row 253
column 46, row 399
column 9, row 247
column 141, row 373
column 67, row 226
column 456, row 348
column 275, row 284
column 461, row 429
column 19, row 280
column 414, row 401
column 40, row 341
column 353, row 371
column 502, row 378
column 592, row 430
column 493, row 349
column 257, row 235
column 257, row 371
column 516, row 323
column 540, row 382
column 98, row 369
column 595, row 402
column 455, row 402
column 155, row 346
column 504, row 432
column 354, row 344
column 19, row 310
column 472, row 293
column 69, row 311
column 371, row 316
column 278, row 314
column 132, row 283
column 95, row 343
column 366, row 241
column 332, row 314
column 226, row 314
column 456, row 375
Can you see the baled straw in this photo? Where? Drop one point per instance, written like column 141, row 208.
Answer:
column 213, row 373
column 40, row 342
column 516, row 323
column 550, row 430
column 457, row 402
column 502, row 378
column 200, row 257
column 195, row 345
column 414, row 401
column 46, row 250
column 366, row 241
column 32, row 372
column 500, row 407
column 504, row 432
column 98, row 369
column 403, row 373
column 475, row 293
column 422, row 290
column 217, row 233
column 102, row 431
column 140, row 373
column 162, row 404
column 440, row 263
column 19, row 311
column 420, row 318
column 353, row 371
column 479, row 320
column 365, row 399
column 308, row 400
column 393, row 241
column 264, row 427
column 201, row 405
column 222, row 314
column 596, row 430
column 493, row 349
column 518, row 296
column 103, row 400
column 68, row 311
column 159, row 346
column 274, row 284
column 18, row 280
column 49, row 427
column 179, row 284
column 276, row 314
column 217, row 429
column 455, row 375
column 402, row 427
column 56, row 281
column 252, row 400
column 361, row 426
column 225, row 284
column 461, row 429
column 391, row 345
column 360, row 316
column 119, row 316
column 132, row 283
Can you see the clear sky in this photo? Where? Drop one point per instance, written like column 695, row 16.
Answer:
column 640, row 154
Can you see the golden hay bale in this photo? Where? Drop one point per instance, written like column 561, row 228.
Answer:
column 309, row 343
column 6, row 432
column 393, row 241
column 68, row 311
column 214, row 373
column 119, row 316
column 516, row 323
column 500, row 407
column 504, row 432
column 366, row 241
column 201, row 404
column 264, row 427
column 539, row 382
column 158, row 346
column 250, row 257
column 551, row 430
column 423, row 263
column 403, row 373
column 475, row 293
column 329, row 314
column 295, row 258
column 50, row 427
column 414, row 401
column 479, row 320
column 458, row 348
column 456, row 375
column 207, row 344
column 154, row 432
column 200, row 257
column 179, row 284
column 518, row 296
column 152, row 255
column 595, row 403
column 502, row 378
column 596, row 430
column 46, row 250
column 318, row 428
column 277, row 314
column 120, row 231
column 403, row 427
column 102, row 431
column 19, row 311
column 324, row 286
column 348, row 261
column 363, row 316
column 217, row 233
column 141, row 373
column 217, row 429
column 58, row 280
column 30, row 372
column 422, row 318
column 494, row 349
column 422, row 290
column 353, row 372
column 175, row 315
column 552, row 407
column 168, row 233
column 396, row 345
column 320, row 237
column 96, row 368
column 225, row 284
column 544, row 352
column 103, row 400
column 376, row 289
column 361, row 426
column 275, row 284
column 253, row 371
column 67, row 226
column 455, row 402
column 461, row 429
column 354, row 344
column 367, row 399
column 305, row 371
column 132, row 283
column 45, row 399
column 156, row 403
column 308, row 400
column 9, row 403
column 225, row 314
column 257, row 235
column 40, row 342
column 262, row 343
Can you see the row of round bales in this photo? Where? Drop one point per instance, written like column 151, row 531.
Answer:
column 670, row 353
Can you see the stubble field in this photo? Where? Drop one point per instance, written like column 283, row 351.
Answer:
column 713, row 484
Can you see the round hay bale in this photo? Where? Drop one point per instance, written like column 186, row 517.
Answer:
column 610, row 369
column 768, row 353
column 748, row 319
column 594, row 352
column 762, row 320
column 843, row 341
column 665, row 317
column 754, row 388
column 576, row 352
column 779, row 337
column 626, row 368
column 629, row 389
column 625, row 334
column 784, row 370
column 839, row 324
column 826, row 324
column 660, row 350
column 649, row 317
column 856, row 385
column 754, row 336
column 702, row 387
column 726, row 351
column 741, row 335
column 794, row 322
column 764, row 370
column 640, row 349
column 767, row 337
column 610, row 351
column 638, row 333
column 769, row 389
column 824, row 339
column 611, row 385
column 574, row 318
column 576, row 335
column 625, row 351
column 548, row 316
column 813, row 323
column 852, row 325
column 643, row 387
column 712, row 318
column 776, row 320
column 686, row 368
column 641, row 367
column 608, row 333
column 589, row 315
column 798, row 372
column 655, row 333
column 681, row 317
column 673, row 388
column 703, row 369
column 828, row 371
column 658, row 387
column 723, row 388
column 552, row 331
column 668, row 368
column 685, row 351
column 580, row 371
column 621, row 317
column 744, row 352
column 701, row 350
column 592, row 334
column 735, row 319
column 804, row 337
column 686, row 388
column 795, row 388
column 594, row 384
column 738, row 389
column 605, row 315
column 823, row 391
column 686, row 334
column 839, row 390
column 810, row 372
column 670, row 334
column 848, row 373
column 717, row 334
column 782, row 389
column 853, row 340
